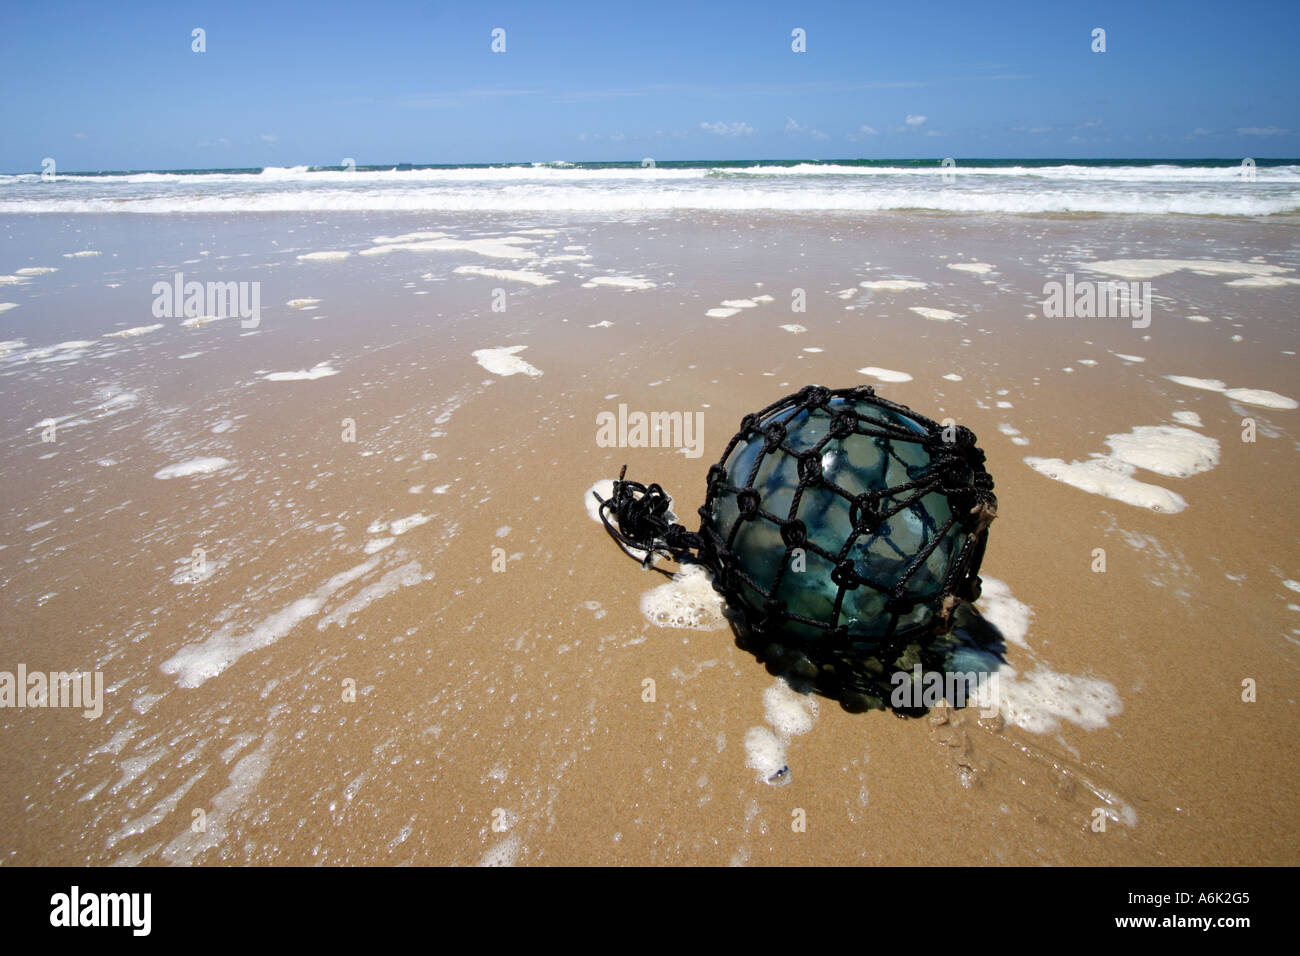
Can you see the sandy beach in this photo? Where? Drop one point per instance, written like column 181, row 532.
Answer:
column 340, row 574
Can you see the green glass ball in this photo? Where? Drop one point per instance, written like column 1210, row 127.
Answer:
column 800, row 481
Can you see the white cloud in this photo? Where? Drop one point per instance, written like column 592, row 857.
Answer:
column 868, row 131
column 1202, row 131
column 268, row 137
column 914, row 119
column 1260, row 131
column 728, row 129
column 793, row 126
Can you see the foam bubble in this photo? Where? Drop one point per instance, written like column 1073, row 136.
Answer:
column 1110, row 478
column 1152, row 268
column 132, row 333
column 505, row 247
column 885, row 374
column 507, row 275
column 765, row 753
column 504, row 361
column 794, row 328
column 934, row 315
column 326, row 256
column 302, row 303
column 1039, row 701
column 1000, row 608
column 319, row 370
column 195, row 466
column 1166, row 449
column 978, row 268
column 891, row 285
column 1260, row 397
column 721, row 313
column 631, row 283
column 687, row 601
column 1188, row 418
column 1208, row 384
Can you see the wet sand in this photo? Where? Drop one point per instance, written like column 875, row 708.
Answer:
column 499, row 715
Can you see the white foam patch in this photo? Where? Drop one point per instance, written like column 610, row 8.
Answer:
column 1152, row 268
column 375, row 545
column 763, row 299
column 794, row 328
column 814, row 349
column 36, row 270
column 1166, row 449
column 132, row 333
column 195, row 466
column 505, row 361
column 602, row 324
column 507, row 275
column 787, row 711
column 740, row 303
column 721, row 313
column 1188, row 418
column 891, row 285
column 953, row 377
column 302, row 303
column 788, row 714
column 1040, row 700
column 1208, row 384
column 196, row 663
column 631, row 283
column 319, row 370
column 326, row 256
column 1264, row 282
column 83, row 254
column 1249, row 396
column 1088, row 362
column 403, row 525
column 1260, row 397
column 978, row 268
column 506, row 247
column 1198, row 318
column 198, row 321
column 934, row 315
column 1109, row 478
column 6, row 306
column 1001, row 609
column 410, row 237
column 504, row 853
column 687, row 601
column 405, row 576
column 765, row 753
column 885, row 374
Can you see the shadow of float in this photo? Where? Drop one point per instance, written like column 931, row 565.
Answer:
column 957, row 667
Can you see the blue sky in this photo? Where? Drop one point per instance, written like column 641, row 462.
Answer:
column 115, row 86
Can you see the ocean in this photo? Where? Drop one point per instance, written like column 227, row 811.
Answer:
column 1214, row 187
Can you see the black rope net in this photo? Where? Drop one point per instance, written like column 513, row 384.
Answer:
column 844, row 531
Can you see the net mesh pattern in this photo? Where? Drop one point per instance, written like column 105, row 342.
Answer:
column 639, row 518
